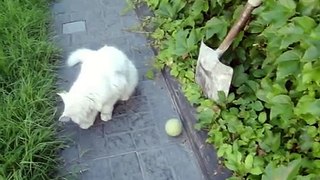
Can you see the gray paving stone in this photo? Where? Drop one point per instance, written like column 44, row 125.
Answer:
column 117, row 124
column 140, row 57
column 126, row 167
column 120, row 5
column 92, row 143
column 72, row 171
column 64, row 41
column 133, row 145
column 59, row 20
column 133, row 105
column 58, row 8
column 70, row 154
column 155, row 166
column 119, row 143
column 139, row 43
column 98, row 169
column 141, row 120
column 146, row 138
column 181, row 161
column 95, row 21
column 70, row 134
column 73, row 27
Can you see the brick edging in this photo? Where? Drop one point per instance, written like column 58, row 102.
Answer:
column 205, row 152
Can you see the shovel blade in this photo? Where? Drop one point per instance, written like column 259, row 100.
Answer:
column 212, row 75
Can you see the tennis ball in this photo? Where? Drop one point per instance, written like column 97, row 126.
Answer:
column 173, row 127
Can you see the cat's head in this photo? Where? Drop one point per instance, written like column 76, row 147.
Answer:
column 77, row 109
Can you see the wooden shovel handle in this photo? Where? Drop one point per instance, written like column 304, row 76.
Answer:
column 236, row 28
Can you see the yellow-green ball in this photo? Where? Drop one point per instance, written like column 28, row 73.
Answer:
column 173, row 127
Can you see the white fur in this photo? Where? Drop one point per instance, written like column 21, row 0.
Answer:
column 106, row 76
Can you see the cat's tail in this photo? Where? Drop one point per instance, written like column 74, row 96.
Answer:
column 79, row 56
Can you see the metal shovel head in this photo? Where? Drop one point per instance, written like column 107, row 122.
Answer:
column 211, row 74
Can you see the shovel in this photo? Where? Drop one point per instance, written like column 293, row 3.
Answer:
column 211, row 74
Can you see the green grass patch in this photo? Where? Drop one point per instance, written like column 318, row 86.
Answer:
column 28, row 144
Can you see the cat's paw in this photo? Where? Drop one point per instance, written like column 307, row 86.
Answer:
column 105, row 116
column 125, row 98
column 85, row 126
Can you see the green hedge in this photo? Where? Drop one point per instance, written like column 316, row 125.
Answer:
column 27, row 56
column 268, row 126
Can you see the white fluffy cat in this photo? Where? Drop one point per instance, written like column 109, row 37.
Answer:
column 106, row 76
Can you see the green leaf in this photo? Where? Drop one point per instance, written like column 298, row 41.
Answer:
column 193, row 39
column 216, row 26
column 308, row 105
column 258, row 106
column 277, row 16
column 239, row 76
column 225, row 148
column 189, row 21
column 306, row 141
column 258, row 73
column 206, row 115
column 289, row 39
column 153, row 3
column 255, row 27
column 316, row 149
column 165, row 9
column 244, row 89
column 288, row 68
column 305, row 22
column 315, row 33
column 231, row 165
column 230, row 98
column 248, row 162
column 288, row 63
column 189, row 74
column 158, row 34
column 283, row 172
column 312, row 53
column 290, row 29
column 281, row 99
column 271, row 141
column 289, row 34
column 290, row 4
column 308, row 7
column 199, row 6
column 174, row 72
column 253, row 85
column 262, row 117
column 178, row 5
column 237, row 40
column 150, row 74
column 234, row 159
column 285, row 111
column 310, row 73
column 291, row 55
column 312, row 131
column 181, row 47
column 256, row 170
column 222, row 96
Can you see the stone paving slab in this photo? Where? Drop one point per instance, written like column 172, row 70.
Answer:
column 133, row 145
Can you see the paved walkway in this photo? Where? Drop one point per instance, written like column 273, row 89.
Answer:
column 133, row 145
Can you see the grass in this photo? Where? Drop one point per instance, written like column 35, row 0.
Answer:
column 28, row 144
